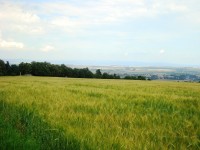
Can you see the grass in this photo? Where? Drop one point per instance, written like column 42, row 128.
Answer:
column 25, row 130
column 60, row 113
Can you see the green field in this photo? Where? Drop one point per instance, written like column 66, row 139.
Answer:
column 64, row 113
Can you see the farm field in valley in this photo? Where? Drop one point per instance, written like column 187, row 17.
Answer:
column 66, row 113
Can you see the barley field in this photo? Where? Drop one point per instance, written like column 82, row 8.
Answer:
column 64, row 113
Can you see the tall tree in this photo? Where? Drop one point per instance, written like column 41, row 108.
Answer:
column 40, row 68
column 55, row 70
column 25, row 68
column 98, row 73
column 2, row 68
column 14, row 70
column 8, row 71
column 66, row 71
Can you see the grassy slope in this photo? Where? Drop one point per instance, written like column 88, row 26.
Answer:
column 106, row 114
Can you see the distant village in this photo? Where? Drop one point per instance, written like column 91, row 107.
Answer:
column 182, row 77
column 187, row 74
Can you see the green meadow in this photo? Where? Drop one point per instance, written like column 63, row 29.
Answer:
column 64, row 113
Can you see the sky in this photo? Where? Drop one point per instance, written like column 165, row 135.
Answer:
column 101, row 32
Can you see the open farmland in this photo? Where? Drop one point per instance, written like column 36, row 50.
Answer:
column 64, row 113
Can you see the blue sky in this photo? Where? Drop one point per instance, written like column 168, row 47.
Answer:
column 101, row 32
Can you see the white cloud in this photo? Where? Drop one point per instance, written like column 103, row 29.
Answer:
column 11, row 44
column 177, row 8
column 47, row 48
column 17, row 18
column 28, row 29
column 163, row 7
column 15, row 13
column 71, row 17
column 75, row 17
column 162, row 51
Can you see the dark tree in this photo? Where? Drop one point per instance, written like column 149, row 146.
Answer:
column 25, row 68
column 8, row 71
column 98, row 74
column 130, row 77
column 48, row 69
column 2, row 68
column 14, row 70
column 75, row 73
column 135, row 78
column 116, row 76
column 66, row 71
column 55, row 70
column 88, row 73
column 105, row 75
column 40, row 69
column 141, row 78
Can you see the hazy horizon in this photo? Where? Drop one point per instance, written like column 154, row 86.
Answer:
column 101, row 32
column 105, row 63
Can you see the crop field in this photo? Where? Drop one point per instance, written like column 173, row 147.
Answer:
column 65, row 113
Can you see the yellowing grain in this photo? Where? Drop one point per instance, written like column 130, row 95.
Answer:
column 113, row 114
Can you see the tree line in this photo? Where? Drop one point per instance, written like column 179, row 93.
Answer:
column 47, row 69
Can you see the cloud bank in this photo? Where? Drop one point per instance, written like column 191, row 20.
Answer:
column 101, row 29
column 11, row 44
